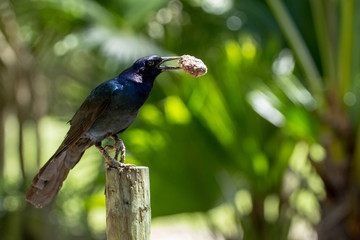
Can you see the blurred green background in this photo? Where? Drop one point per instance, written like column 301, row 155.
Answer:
column 265, row 146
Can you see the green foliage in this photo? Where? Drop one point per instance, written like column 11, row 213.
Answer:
column 252, row 144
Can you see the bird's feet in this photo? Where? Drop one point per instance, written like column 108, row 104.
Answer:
column 119, row 147
column 118, row 165
column 111, row 162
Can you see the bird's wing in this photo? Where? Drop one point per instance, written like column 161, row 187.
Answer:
column 92, row 108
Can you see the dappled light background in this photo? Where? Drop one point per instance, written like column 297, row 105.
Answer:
column 265, row 146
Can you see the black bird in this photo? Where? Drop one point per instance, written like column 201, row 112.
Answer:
column 109, row 109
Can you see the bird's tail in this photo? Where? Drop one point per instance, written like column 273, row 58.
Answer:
column 47, row 183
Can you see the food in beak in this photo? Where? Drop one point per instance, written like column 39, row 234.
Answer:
column 192, row 66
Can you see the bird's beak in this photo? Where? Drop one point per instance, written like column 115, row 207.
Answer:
column 167, row 68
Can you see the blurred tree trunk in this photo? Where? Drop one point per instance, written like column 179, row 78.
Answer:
column 339, row 211
column 19, row 96
column 334, row 26
column 2, row 132
column 19, row 81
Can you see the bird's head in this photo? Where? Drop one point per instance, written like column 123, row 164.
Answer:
column 151, row 66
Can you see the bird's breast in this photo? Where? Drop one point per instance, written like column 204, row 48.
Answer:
column 124, row 105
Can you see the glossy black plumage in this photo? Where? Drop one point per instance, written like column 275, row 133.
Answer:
column 108, row 110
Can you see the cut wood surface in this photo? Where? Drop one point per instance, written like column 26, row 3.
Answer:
column 128, row 213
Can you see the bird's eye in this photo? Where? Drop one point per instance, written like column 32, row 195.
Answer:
column 150, row 63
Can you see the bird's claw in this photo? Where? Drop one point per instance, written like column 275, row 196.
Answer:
column 119, row 147
column 112, row 163
column 126, row 165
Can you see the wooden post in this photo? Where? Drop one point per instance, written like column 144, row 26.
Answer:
column 128, row 213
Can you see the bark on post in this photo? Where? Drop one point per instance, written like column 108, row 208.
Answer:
column 128, row 214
